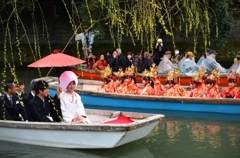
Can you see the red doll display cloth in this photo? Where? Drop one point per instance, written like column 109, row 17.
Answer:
column 120, row 120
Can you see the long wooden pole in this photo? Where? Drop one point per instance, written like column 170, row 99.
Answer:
column 65, row 47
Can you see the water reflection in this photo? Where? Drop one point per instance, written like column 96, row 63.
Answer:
column 233, row 133
column 9, row 149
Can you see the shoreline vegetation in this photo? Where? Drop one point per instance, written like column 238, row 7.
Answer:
column 225, row 57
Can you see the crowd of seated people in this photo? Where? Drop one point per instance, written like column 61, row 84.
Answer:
column 201, row 86
column 163, row 59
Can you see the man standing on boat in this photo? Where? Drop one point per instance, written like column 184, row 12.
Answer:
column 10, row 106
column 87, row 38
column 160, row 48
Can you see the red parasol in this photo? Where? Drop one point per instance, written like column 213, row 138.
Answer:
column 57, row 59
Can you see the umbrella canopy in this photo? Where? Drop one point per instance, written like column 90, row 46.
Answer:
column 57, row 59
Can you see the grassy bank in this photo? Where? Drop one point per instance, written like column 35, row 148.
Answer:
column 225, row 57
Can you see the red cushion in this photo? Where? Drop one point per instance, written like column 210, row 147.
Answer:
column 120, row 120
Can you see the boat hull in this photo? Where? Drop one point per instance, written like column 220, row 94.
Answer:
column 185, row 80
column 74, row 139
column 230, row 106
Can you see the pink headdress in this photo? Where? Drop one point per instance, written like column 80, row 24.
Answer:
column 67, row 77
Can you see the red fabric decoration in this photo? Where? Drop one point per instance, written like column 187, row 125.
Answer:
column 120, row 120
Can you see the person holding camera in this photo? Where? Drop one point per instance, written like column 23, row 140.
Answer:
column 160, row 48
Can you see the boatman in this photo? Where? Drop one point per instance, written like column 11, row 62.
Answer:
column 87, row 38
column 12, row 106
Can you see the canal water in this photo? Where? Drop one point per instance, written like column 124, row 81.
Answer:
column 179, row 135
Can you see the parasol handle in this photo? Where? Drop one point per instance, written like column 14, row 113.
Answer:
column 65, row 48
column 49, row 72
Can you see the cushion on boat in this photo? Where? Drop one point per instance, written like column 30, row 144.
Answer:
column 120, row 120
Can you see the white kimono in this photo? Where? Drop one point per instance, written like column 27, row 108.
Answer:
column 82, row 37
column 71, row 106
column 165, row 66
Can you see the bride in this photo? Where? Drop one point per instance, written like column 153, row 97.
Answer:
column 71, row 104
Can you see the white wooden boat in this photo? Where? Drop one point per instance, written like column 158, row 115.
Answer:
column 77, row 135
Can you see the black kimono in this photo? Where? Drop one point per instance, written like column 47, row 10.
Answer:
column 26, row 101
column 39, row 110
column 12, row 111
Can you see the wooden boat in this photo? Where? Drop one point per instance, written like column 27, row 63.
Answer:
column 89, row 96
column 77, row 135
column 92, row 75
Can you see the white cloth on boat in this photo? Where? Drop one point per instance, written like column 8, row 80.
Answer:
column 210, row 63
column 165, row 65
column 235, row 66
column 188, row 67
column 72, row 106
column 200, row 60
column 82, row 37
column 67, row 77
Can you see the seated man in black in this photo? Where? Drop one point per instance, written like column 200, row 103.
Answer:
column 28, row 97
column 12, row 106
column 41, row 107
column 20, row 84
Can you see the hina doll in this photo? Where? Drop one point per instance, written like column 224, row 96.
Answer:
column 158, row 87
column 231, row 90
column 148, row 86
column 119, row 81
column 104, row 83
column 179, row 91
column 211, row 92
column 111, row 83
column 132, row 88
column 71, row 105
column 194, row 87
column 119, row 85
column 170, row 92
column 201, row 82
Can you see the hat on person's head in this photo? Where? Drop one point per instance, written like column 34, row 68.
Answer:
column 208, row 50
column 168, row 52
column 212, row 52
column 159, row 40
column 190, row 53
column 67, row 77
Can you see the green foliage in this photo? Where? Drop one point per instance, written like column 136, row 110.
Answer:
column 93, row 16
column 24, row 4
column 224, row 13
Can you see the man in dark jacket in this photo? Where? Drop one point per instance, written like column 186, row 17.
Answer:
column 137, row 63
column 12, row 106
column 28, row 98
column 108, row 56
column 115, row 63
column 41, row 107
column 122, row 58
column 160, row 48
